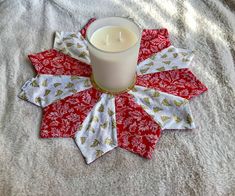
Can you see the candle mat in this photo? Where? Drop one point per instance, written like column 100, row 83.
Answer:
column 99, row 121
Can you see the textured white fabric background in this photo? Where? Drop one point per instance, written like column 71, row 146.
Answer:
column 198, row 162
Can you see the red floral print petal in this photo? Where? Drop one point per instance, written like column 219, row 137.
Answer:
column 137, row 131
column 57, row 63
column 180, row 82
column 63, row 118
column 153, row 41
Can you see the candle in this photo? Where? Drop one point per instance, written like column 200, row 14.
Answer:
column 113, row 38
column 113, row 44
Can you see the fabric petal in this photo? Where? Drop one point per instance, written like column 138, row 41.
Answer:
column 72, row 44
column 57, row 63
column 83, row 31
column 169, row 111
column 153, row 41
column 45, row 89
column 181, row 82
column 168, row 59
column 137, row 131
column 97, row 134
column 63, row 118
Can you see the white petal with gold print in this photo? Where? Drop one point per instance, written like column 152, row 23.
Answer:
column 169, row 111
column 72, row 44
column 45, row 89
column 168, row 59
column 98, row 133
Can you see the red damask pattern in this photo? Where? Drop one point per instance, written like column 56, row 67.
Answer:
column 62, row 118
column 153, row 41
column 136, row 130
column 180, row 82
column 57, row 63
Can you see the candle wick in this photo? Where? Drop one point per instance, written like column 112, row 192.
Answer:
column 120, row 36
column 107, row 40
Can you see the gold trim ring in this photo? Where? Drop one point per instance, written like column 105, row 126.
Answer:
column 112, row 92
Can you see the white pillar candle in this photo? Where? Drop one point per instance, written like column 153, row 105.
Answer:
column 113, row 45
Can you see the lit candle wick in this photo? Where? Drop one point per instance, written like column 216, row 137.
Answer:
column 120, row 36
column 107, row 39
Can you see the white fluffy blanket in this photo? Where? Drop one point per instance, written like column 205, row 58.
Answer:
column 198, row 162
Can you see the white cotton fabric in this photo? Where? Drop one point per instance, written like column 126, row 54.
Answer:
column 169, row 111
column 45, row 89
column 168, row 59
column 72, row 44
column 98, row 133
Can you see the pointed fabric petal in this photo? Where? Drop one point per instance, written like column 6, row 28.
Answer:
column 56, row 63
column 168, row 59
column 153, row 41
column 45, row 89
column 179, row 82
column 72, row 44
column 169, row 111
column 97, row 134
column 63, row 118
column 137, row 131
column 83, row 31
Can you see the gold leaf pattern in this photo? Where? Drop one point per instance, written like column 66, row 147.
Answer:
column 59, row 43
column 153, row 57
column 110, row 112
column 66, row 38
column 113, row 124
column 146, row 100
column 167, row 62
column 165, row 102
column 59, row 92
column 69, row 44
column 156, row 94
column 99, row 153
column 108, row 141
column 38, row 100
column 23, row 96
column 83, row 55
column 165, row 118
column 164, row 56
column 79, row 46
column 189, row 119
column 171, row 50
column 69, row 85
column 175, row 55
column 157, row 109
column 177, row 119
column 73, row 90
column 74, row 35
column 35, row 84
column 95, row 143
column 178, row 103
column 44, row 83
column 101, row 108
column 47, row 92
column 161, row 69
column 184, row 53
column 74, row 77
column 185, row 60
column 174, row 67
column 83, row 140
column 57, row 84
column 149, row 64
column 104, row 125
column 96, row 119
column 142, row 71
column 86, row 83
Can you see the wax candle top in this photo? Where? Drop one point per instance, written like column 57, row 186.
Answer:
column 113, row 38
